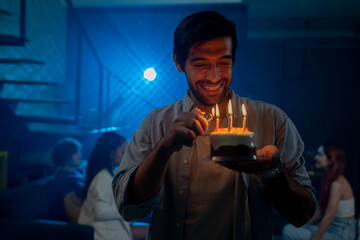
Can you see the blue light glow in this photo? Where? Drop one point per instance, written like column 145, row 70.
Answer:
column 150, row 74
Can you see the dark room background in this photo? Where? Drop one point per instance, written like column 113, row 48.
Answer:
column 88, row 64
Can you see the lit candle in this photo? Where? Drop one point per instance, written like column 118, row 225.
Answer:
column 230, row 116
column 217, row 117
column 244, row 117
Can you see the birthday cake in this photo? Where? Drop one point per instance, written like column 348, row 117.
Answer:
column 232, row 146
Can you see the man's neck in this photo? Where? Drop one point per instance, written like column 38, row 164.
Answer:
column 208, row 109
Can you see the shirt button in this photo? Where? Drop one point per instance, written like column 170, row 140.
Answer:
column 181, row 191
column 186, row 161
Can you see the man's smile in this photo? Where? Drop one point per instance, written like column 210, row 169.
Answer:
column 211, row 88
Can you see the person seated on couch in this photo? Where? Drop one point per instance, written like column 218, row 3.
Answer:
column 99, row 209
column 335, row 218
column 68, row 183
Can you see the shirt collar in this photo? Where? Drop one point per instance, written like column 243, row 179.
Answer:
column 189, row 104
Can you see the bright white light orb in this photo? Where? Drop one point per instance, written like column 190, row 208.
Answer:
column 150, row 74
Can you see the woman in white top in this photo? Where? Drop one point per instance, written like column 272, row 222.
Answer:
column 98, row 209
column 335, row 218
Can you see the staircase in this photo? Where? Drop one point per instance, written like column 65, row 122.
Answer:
column 12, row 40
column 31, row 79
column 40, row 79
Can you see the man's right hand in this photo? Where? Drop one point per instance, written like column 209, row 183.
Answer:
column 149, row 176
column 184, row 130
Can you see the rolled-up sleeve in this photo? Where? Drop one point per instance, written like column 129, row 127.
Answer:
column 139, row 148
column 291, row 147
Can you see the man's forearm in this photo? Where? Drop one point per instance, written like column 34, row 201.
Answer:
column 293, row 201
column 149, row 177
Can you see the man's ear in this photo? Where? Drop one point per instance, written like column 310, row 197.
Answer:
column 178, row 67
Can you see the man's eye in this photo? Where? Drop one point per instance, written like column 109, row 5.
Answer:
column 199, row 65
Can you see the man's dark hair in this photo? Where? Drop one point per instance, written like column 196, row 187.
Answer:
column 64, row 150
column 199, row 27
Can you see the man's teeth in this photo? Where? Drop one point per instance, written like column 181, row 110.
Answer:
column 212, row 87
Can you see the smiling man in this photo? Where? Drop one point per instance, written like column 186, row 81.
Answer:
column 208, row 70
column 167, row 168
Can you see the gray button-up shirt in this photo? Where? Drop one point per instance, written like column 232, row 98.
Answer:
column 252, row 214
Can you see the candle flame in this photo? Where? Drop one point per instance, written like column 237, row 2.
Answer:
column 230, row 107
column 244, row 110
column 217, row 110
column 213, row 111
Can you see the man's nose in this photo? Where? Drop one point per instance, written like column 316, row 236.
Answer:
column 213, row 73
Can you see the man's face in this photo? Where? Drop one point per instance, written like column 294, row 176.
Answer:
column 208, row 70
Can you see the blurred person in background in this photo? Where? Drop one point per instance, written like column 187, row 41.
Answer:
column 335, row 217
column 99, row 209
column 68, row 182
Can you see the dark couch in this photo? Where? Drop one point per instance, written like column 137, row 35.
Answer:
column 25, row 214
column 11, row 229
column 29, row 201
